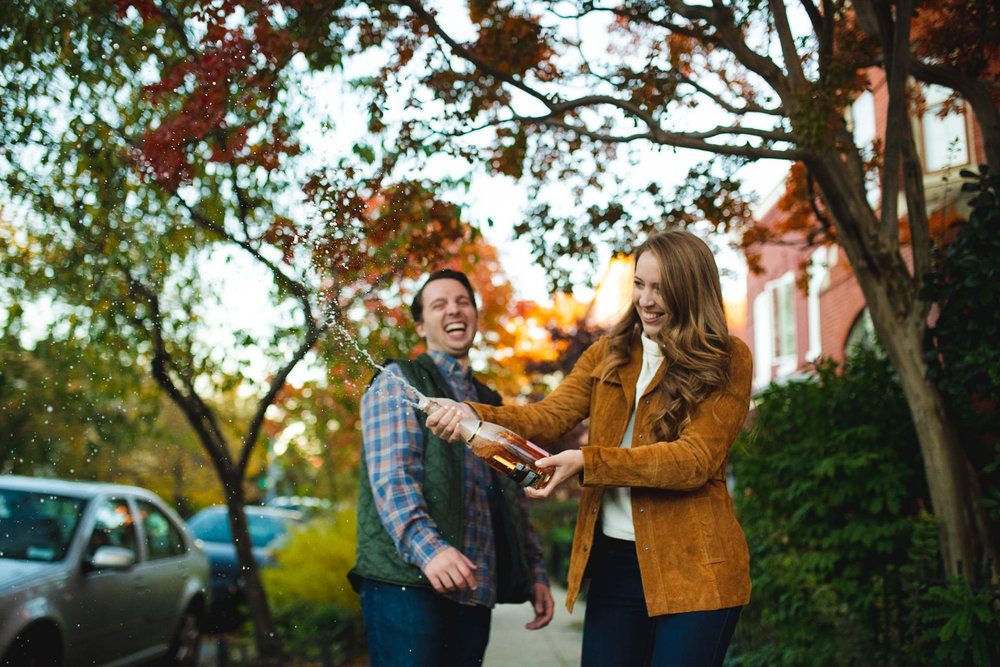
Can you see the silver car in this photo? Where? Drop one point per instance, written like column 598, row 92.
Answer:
column 96, row 574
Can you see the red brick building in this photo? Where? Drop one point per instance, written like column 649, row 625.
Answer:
column 789, row 328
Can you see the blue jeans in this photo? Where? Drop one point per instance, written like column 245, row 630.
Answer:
column 617, row 632
column 416, row 627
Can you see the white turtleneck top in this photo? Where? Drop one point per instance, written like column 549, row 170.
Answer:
column 616, row 510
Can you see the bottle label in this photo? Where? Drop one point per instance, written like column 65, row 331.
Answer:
column 524, row 475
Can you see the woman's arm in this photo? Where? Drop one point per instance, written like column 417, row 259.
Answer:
column 547, row 420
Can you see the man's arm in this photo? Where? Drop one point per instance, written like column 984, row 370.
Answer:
column 394, row 452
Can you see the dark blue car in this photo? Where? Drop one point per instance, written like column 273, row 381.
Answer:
column 268, row 528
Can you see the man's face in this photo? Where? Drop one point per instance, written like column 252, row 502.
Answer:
column 450, row 318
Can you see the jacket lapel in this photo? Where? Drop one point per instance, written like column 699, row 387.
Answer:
column 628, row 375
column 655, row 381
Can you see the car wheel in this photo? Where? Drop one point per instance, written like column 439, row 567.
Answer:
column 33, row 649
column 186, row 645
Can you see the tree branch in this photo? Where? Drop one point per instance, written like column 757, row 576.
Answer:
column 815, row 17
column 730, row 37
column 693, row 140
column 896, row 49
column 297, row 289
column 427, row 18
column 313, row 333
column 789, row 54
column 825, row 35
column 641, row 14
column 748, row 107
column 200, row 417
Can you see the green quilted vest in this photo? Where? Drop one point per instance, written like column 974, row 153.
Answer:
column 443, row 490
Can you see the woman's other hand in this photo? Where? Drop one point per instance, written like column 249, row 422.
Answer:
column 564, row 464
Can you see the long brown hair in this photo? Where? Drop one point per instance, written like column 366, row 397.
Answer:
column 695, row 338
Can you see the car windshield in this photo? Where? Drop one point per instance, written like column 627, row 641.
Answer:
column 36, row 525
column 214, row 527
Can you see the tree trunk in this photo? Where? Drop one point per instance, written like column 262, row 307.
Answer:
column 953, row 484
column 900, row 320
column 265, row 636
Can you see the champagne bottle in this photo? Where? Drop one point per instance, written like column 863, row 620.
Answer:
column 502, row 449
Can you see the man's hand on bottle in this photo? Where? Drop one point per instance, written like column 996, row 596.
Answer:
column 564, row 465
column 445, row 420
column 450, row 570
column 544, row 607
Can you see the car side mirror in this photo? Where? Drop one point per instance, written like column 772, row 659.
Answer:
column 114, row 558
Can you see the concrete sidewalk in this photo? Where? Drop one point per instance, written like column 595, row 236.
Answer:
column 556, row 645
column 511, row 645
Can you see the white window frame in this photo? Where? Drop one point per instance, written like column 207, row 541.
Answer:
column 819, row 278
column 768, row 320
column 763, row 339
column 945, row 140
column 865, row 132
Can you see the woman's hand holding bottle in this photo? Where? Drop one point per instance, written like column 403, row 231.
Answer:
column 564, row 465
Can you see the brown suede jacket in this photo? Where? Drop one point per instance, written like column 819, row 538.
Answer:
column 692, row 552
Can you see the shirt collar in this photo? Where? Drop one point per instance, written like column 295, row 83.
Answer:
column 650, row 348
column 448, row 365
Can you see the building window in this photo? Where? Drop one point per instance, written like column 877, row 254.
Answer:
column 762, row 353
column 863, row 128
column 946, row 141
column 775, row 353
column 819, row 278
column 863, row 120
column 783, row 304
column 862, row 333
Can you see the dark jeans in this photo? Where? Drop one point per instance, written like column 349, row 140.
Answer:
column 416, row 627
column 618, row 633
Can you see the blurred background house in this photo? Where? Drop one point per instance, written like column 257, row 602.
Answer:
column 806, row 303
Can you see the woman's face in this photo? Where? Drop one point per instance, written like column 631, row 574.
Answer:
column 647, row 294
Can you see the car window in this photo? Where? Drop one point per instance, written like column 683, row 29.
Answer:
column 163, row 538
column 210, row 527
column 36, row 525
column 215, row 528
column 113, row 527
column 265, row 529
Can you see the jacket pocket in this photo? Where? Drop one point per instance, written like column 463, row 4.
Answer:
column 705, row 513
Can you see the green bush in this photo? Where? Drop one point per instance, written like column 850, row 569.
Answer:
column 964, row 623
column 314, row 561
column 554, row 521
column 831, row 494
column 964, row 351
column 316, row 612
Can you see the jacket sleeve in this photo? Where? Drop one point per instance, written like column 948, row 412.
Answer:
column 699, row 453
column 547, row 420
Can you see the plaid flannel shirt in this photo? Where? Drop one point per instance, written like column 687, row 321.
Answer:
column 393, row 450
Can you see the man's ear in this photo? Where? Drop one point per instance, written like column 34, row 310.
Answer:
column 419, row 326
